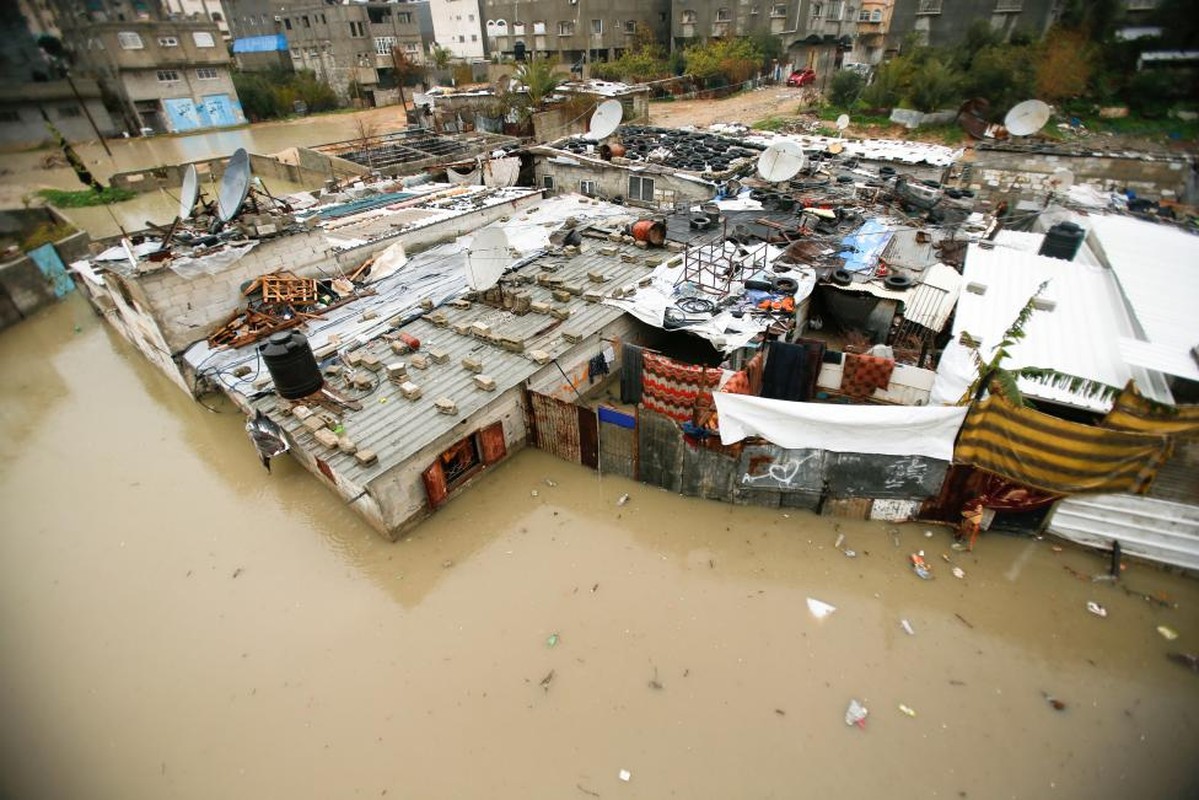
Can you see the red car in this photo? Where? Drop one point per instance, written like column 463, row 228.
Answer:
column 801, row 77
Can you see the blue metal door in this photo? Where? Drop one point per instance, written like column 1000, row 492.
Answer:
column 50, row 265
column 220, row 110
column 184, row 115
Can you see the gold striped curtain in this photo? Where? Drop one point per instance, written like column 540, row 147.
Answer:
column 1055, row 455
column 1133, row 412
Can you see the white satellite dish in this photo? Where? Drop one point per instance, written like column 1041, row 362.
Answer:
column 235, row 183
column 189, row 191
column 1061, row 179
column 1027, row 118
column 604, row 120
column 487, row 258
column 842, row 122
column 781, row 161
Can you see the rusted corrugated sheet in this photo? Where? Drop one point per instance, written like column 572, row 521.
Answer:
column 557, row 426
column 435, row 488
column 588, row 438
column 659, row 449
column 492, row 447
column 707, row 473
column 617, row 443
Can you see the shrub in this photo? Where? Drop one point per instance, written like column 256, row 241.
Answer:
column 934, row 85
column 845, row 88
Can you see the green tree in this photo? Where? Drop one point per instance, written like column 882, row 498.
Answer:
column 1064, row 65
column 441, row 56
column 934, row 84
column 539, row 78
column 1002, row 74
column 887, row 88
column 733, row 60
column 845, row 88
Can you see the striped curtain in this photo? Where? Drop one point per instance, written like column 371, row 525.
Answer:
column 1133, row 412
column 1055, row 455
column 675, row 389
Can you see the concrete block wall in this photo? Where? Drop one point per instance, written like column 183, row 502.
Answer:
column 1152, row 176
column 613, row 181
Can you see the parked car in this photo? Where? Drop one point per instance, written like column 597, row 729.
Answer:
column 801, row 77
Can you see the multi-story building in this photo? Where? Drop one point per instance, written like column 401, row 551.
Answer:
column 874, row 23
column 942, row 23
column 170, row 75
column 458, row 27
column 574, row 31
column 211, row 10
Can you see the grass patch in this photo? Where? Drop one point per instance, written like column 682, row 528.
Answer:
column 46, row 233
column 1143, row 126
column 770, row 124
column 946, row 134
column 86, row 197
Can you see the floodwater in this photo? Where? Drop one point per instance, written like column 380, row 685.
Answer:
column 180, row 624
column 24, row 173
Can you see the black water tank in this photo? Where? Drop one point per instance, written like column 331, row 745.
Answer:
column 1062, row 241
column 292, row 365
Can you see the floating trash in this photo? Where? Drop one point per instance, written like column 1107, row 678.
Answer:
column 1169, row 634
column 958, row 572
column 928, row 534
column 908, row 710
column 1189, row 660
column 625, row 775
column 1096, row 609
column 534, row 493
column 919, row 566
column 907, row 627
column 1058, row 705
column 550, row 482
column 624, row 498
column 840, row 541
column 551, row 640
column 850, row 553
column 819, row 608
column 856, row 714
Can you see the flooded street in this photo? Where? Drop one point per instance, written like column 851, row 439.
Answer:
column 178, row 623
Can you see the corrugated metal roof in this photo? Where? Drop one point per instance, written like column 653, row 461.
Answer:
column 398, row 428
column 1078, row 336
column 1157, row 267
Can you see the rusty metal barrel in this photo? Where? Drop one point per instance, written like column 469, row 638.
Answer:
column 611, row 150
column 650, row 231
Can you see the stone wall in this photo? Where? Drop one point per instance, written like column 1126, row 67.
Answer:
column 1153, row 176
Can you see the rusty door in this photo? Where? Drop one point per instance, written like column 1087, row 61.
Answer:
column 557, row 425
column 588, row 438
column 617, row 443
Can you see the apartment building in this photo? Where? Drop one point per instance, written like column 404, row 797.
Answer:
column 458, row 27
column 573, row 31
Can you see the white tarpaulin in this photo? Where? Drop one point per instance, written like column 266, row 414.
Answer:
column 211, row 264
column 881, row 430
column 501, row 171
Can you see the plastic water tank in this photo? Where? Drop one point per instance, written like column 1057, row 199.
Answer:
column 1062, row 241
column 292, row 365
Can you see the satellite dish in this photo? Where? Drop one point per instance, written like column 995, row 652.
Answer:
column 487, row 258
column 605, row 120
column 781, row 161
column 1027, row 118
column 189, row 192
column 235, row 183
column 1061, row 178
column 842, row 122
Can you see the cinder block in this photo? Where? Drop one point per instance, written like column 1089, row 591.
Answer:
column 540, row 356
column 419, row 361
column 539, row 307
column 596, row 277
column 397, row 372
column 438, row 318
column 302, row 412
column 473, row 364
column 480, row 329
column 399, row 348
column 445, row 405
column 354, row 358
column 314, row 423
column 560, row 313
column 574, row 337
column 439, row 355
column 607, row 250
column 326, row 437
column 366, row 457
column 362, row 380
column 485, row 382
column 346, row 445
column 592, row 297
column 372, row 362
column 460, row 303
column 426, row 304
column 561, row 295
column 461, row 328
column 628, row 258
column 410, row 390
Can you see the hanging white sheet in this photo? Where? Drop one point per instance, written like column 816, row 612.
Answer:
column 882, row 430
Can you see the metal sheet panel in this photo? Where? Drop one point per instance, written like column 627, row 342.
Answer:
column 660, row 451
column 709, row 474
column 617, row 444
column 772, row 467
column 889, row 477
column 1145, row 527
column 557, row 427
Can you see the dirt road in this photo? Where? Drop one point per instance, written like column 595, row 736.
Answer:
column 746, row 108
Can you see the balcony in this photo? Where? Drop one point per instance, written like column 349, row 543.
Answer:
column 928, row 7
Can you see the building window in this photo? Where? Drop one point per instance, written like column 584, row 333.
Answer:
column 168, row 41
column 689, row 17
column 566, row 29
column 641, row 189
column 203, row 39
column 304, row 20
column 834, row 10
column 630, row 26
column 817, row 10
column 128, row 40
column 357, row 30
column 10, row 116
column 928, row 7
column 216, row 16
column 723, row 15
column 539, row 28
column 404, row 18
column 287, row 23
column 206, row 73
column 587, row 188
column 518, row 28
column 168, row 76
column 69, row 112
column 384, row 45
column 1002, row 6
column 778, row 10
column 876, row 15
column 547, row 182
column 410, row 47
column 597, row 27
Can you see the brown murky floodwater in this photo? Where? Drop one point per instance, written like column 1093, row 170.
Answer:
column 178, row 623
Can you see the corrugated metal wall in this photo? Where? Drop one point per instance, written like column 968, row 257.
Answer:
column 617, row 443
column 1154, row 529
column 556, row 424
